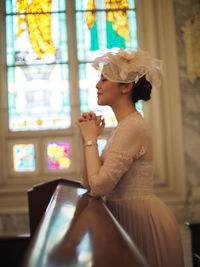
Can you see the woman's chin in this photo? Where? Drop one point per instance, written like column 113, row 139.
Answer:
column 100, row 103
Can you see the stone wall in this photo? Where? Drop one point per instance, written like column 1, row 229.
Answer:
column 12, row 224
column 190, row 99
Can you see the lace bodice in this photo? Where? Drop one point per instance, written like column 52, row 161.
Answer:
column 127, row 168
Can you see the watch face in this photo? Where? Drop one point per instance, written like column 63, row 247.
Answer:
column 90, row 143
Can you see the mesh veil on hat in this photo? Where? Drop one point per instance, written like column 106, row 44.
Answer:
column 126, row 66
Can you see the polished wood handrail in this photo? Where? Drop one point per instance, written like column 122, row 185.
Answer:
column 78, row 230
column 39, row 197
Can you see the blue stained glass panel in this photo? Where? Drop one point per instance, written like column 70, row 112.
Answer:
column 24, row 157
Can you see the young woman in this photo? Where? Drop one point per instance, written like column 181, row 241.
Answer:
column 124, row 172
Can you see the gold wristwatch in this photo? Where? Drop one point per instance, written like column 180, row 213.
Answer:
column 90, row 143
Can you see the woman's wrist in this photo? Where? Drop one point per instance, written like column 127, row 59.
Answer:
column 90, row 143
column 87, row 138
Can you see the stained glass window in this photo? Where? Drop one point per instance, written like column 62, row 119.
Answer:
column 37, row 64
column 24, row 157
column 101, row 145
column 38, row 69
column 101, row 25
column 58, row 155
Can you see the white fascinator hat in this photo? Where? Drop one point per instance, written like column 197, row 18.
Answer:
column 125, row 66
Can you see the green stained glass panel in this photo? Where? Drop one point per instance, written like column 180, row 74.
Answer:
column 96, row 31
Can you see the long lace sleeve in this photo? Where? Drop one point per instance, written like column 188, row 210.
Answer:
column 127, row 144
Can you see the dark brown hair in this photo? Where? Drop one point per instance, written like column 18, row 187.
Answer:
column 141, row 90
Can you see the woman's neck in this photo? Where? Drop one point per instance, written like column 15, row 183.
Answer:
column 123, row 111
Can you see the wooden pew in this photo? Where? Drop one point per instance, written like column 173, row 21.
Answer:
column 12, row 249
column 195, row 241
column 39, row 197
column 70, row 228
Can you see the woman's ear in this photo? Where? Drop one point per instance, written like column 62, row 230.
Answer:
column 127, row 88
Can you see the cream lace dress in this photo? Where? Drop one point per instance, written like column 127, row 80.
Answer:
column 126, row 181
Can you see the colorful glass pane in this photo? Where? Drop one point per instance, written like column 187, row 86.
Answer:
column 81, row 5
column 12, row 5
column 105, row 28
column 98, row 31
column 36, row 38
column 38, row 97
column 38, row 91
column 101, row 145
column 24, row 157
column 58, row 155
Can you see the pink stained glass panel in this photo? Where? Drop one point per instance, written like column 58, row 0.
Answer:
column 58, row 155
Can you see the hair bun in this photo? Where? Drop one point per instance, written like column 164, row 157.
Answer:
column 141, row 90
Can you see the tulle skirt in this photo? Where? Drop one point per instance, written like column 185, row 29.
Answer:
column 152, row 227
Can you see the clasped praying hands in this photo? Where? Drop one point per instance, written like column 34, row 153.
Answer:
column 90, row 125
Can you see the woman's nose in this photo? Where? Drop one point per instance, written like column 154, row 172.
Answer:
column 97, row 85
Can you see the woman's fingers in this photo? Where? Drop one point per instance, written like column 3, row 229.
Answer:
column 103, row 123
column 101, row 126
column 92, row 115
column 81, row 119
column 88, row 115
column 84, row 115
column 98, row 119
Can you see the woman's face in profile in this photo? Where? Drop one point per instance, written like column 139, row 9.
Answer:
column 108, row 92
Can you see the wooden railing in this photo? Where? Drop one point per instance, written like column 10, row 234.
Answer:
column 70, row 228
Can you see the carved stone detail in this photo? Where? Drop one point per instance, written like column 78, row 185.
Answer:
column 191, row 37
